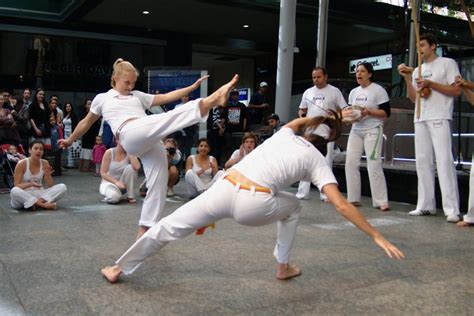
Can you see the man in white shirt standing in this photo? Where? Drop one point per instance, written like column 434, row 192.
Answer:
column 433, row 129
column 317, row 101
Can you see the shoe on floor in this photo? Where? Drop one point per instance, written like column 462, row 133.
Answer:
column 422, row 212
column 452, row 218
column 170, row 192
column 302, row 197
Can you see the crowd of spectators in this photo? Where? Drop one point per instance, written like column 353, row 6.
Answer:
column 38, row 116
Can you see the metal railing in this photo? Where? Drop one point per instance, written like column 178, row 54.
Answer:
column 412, row 135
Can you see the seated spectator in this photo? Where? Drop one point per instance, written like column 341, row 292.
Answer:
column 249, row 142
column 31, row 174
column 8, row 132
column 274, row 123
column 174, row 157
column 201, row 170
column 9, row 164
column 119, row 173
column 13, row 155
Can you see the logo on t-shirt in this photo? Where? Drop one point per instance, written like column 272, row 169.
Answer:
column 427, row 73
column 318, row 100
column 234, row 115
column 361, row 99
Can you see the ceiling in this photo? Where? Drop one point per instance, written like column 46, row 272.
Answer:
column 216, row 25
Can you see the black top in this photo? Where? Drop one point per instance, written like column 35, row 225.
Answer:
column 234, row 114
column 256, row 115
column 41, row 118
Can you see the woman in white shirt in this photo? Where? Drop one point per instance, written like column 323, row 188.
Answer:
column 34, row 185
column 124, row 109
column 201, row 169
column 250, row 193
column 249, row 142
column 119, row 172
column 367, row 136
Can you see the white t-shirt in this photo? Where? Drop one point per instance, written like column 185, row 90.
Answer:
column 284, row 159
column 116, row 108
column 317, row 101
column 369, row 97
column 437, row 106
column 236, row 154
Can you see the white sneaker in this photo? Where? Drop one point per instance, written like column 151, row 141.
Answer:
column 422, row 212
column 302, row 197
column 453, row 218
column 170, row 192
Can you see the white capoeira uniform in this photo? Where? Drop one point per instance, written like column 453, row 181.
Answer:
column 124, row 172
column 24, row 199
column 141, row 137
column 280, row 161
column 366, row 136
column 198, row 184
column 318, row 102
column 433, row 140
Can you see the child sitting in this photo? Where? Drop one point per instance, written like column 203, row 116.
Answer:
column 13, row 155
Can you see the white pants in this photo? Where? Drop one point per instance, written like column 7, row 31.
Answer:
column 369, row 141
column 24, row 199
column 433, row 142
column 222, row 200
column 195, row 184
column 305, row 186
column 469, row 217
column 141, row 137
column 112, row 193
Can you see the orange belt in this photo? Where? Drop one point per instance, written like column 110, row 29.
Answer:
column 247, row 187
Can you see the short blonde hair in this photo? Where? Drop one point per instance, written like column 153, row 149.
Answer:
column 121, row 66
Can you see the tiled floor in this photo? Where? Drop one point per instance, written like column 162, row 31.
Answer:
column 50, row 262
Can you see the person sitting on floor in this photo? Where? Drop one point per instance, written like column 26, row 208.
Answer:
column 201, row 169
column 119, row 172
column 249, row 142
column 30, row 176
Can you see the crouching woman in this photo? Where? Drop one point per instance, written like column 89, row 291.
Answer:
column 119, row 172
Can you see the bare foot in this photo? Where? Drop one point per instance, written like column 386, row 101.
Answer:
column 132, row 200
column 286, row 271
column 464, row 224
column 384, row 208
column 111, row 273
column 141, row 231
column 47, row 205
column 218, row 97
